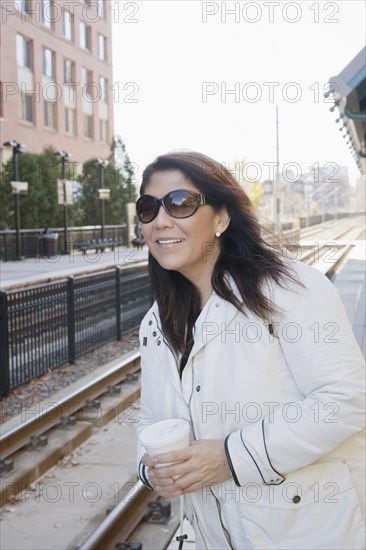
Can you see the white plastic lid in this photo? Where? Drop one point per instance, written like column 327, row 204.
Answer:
column 164, row 431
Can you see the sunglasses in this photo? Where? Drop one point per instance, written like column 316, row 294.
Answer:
column 180, row 203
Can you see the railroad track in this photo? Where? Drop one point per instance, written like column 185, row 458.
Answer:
column 15, row 439
column 122, row 521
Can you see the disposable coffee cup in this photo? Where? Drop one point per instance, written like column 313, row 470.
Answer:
column 165, row 436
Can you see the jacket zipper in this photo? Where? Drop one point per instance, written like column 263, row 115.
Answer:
column 195, row 437
column 225, row 531
column 189, row 403
column 218, row 505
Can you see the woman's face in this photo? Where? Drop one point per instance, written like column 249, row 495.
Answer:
column 195, row 248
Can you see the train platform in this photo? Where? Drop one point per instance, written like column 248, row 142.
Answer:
column 351, row 284
column 33, row 271
column 350, row 281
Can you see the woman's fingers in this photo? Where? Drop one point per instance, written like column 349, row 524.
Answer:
column 147, row 460
column 162, row 481
column 202, row 464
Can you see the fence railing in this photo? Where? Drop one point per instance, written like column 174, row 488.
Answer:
column 47, row 326
column 31, row 243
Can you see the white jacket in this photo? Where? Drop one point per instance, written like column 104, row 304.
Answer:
column 290, row 407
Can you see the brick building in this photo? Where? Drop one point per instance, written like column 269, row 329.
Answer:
column 56, row 76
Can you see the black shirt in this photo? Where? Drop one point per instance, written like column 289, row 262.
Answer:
column 188, row 348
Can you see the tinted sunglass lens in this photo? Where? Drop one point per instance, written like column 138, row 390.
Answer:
column 180, row 204
column 146, row 209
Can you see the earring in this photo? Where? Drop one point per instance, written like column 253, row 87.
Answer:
column 217, row 234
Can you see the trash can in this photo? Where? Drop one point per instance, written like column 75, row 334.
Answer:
column 50, row 243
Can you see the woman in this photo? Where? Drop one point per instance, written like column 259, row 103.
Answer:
column 257, row 354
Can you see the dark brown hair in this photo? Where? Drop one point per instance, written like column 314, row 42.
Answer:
column 244, row 254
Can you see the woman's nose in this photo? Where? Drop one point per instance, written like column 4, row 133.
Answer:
column 163, row 219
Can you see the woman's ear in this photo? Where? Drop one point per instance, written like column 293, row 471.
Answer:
column 223, row 219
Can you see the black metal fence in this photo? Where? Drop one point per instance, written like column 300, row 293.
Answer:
column 46, row 326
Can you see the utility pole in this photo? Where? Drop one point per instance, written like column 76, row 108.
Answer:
column 276, row 188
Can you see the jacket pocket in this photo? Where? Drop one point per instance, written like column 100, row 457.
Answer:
column 315, row 508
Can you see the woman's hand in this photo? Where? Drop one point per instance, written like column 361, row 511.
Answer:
column 201, row 464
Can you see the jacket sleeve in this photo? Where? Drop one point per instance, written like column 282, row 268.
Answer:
column 144, row 418
column 327, row 366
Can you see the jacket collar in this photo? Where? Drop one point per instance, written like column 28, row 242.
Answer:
column 214, row 318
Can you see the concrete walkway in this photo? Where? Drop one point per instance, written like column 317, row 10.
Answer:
column 351, row 284
column 32, row 271
column 350, row 281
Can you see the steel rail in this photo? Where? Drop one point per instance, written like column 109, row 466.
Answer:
column 17, row 437
column 113, row 530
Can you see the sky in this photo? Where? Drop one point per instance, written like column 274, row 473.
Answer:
column 207, row 76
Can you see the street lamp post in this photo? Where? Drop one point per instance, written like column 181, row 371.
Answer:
column 17, row 149
column 64, row 156
column 103, row 194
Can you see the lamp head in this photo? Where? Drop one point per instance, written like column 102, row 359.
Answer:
column 10, row 143
column 63, row 154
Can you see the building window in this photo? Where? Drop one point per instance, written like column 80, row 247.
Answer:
column 101, row 11
column 66, row 25
column 69, row 71
column 22, row 5
column 26, row 107
column 87, row 83
column 45, row 13
column 23, row 51
column 88, row 126
column 103, row 89
column 103, row 125
column 102, row 47
column 85, row 36
column 49, row 114
column 70, row 121
column 47, row 62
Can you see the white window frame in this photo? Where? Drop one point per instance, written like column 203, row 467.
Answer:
column 71, row 65
column 48, row 62
column 101, row 10
column 52, row 105
column 27, row 113
column 67, row 25
column 23, row 51
column 45, row 19
column 72, row 113
column 85, row 36
column 22, row 5
column 102, row 47
column 103, row 130
column 88, row 123
column 103, row 84
column 86, row 78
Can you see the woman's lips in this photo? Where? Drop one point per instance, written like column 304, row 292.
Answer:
column 168, row 242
